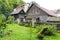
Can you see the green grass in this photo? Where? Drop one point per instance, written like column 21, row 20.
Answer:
column 56, row 37
column 20, row 33
column 25, row 33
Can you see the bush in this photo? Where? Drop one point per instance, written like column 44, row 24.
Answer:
column 2, row 24
column 16, row 22
column 10, row 20
column 28, row 24
column 40, row 37
column 40, row 27
column 2, row 18
column 8, row 32
column 50, row 30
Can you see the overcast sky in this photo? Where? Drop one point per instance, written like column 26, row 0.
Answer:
column 48, row 4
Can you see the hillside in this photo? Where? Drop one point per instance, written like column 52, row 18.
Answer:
column 20, row 33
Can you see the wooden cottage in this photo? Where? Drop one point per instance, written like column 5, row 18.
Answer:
column 32, row 12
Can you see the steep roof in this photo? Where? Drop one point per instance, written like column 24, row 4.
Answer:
column 57, row 11
column 26, row 7
column 49, row 12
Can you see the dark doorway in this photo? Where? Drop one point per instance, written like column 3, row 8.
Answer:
column 38, row 20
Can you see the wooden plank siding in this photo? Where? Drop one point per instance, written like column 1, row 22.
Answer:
column 37, row 12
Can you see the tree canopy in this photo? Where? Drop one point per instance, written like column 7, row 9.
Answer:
column 7, row 6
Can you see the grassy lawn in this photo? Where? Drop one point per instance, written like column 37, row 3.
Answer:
column 25, row 33
column 20, row 33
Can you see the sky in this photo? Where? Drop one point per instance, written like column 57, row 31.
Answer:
column 48, row 4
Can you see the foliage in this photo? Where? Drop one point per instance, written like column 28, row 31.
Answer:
column 10, row 20
column 56, row 37
column 7, row 6
column 51, row 30
column 2, row 18
column 46, row 30
column 2, row 24
column 16, row 22
column 28, row 24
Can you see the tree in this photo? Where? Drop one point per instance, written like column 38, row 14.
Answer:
column 7, row 6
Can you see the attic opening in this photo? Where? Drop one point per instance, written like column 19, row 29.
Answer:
column 22, row 12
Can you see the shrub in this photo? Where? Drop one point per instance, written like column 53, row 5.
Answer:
column 50, row 30
column 10, row 20
column 40, row 37
column 2, row 24
column 8, row 32
column 16, row 22
column 28, row 24
column 40, row 27
column 2, row 18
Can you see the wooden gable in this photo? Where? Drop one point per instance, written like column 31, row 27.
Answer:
column 35, row 11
